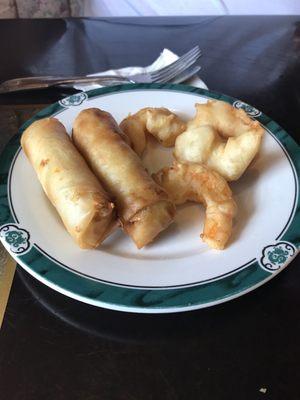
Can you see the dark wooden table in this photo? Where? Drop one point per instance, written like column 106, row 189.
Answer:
column 53, row 347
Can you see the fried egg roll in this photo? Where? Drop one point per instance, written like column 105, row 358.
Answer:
column 143, row 206
column 75, row 192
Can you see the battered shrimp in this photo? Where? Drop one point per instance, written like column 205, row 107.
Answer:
column 202, row 142
column 164, row 125
column 227, row 120
column 198, row 183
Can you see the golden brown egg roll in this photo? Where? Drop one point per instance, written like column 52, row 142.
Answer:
column 143, row 206
column 75, row 192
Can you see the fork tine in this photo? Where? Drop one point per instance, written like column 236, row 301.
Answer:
column 187, row 74
column 180, row 60
column 177, row 70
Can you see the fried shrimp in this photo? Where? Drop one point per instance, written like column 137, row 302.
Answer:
column 198, row 183
column 223, row 138
column 227, row 120
column 164, row 125
column 230, row 158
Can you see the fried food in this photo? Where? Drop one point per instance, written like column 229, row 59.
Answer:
column 227, row 120
column 229, row 158
column 222, row 137
column 143, row 206
column 83, row 205
column 164, row 125
column 198, row 183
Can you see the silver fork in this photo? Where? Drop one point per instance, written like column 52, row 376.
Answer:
column 169, row 72
column 161, row 75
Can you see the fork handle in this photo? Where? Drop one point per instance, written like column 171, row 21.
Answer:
column 41, row 82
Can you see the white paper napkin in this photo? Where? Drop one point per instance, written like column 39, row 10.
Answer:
column 165, row 58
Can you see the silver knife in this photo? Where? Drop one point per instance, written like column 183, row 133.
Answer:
column 43, row 82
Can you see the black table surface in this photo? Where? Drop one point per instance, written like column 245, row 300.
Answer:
column 53, row 347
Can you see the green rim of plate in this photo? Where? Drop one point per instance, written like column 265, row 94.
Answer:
column 112, row 296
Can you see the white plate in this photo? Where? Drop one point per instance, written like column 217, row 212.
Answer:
column 177, row 272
